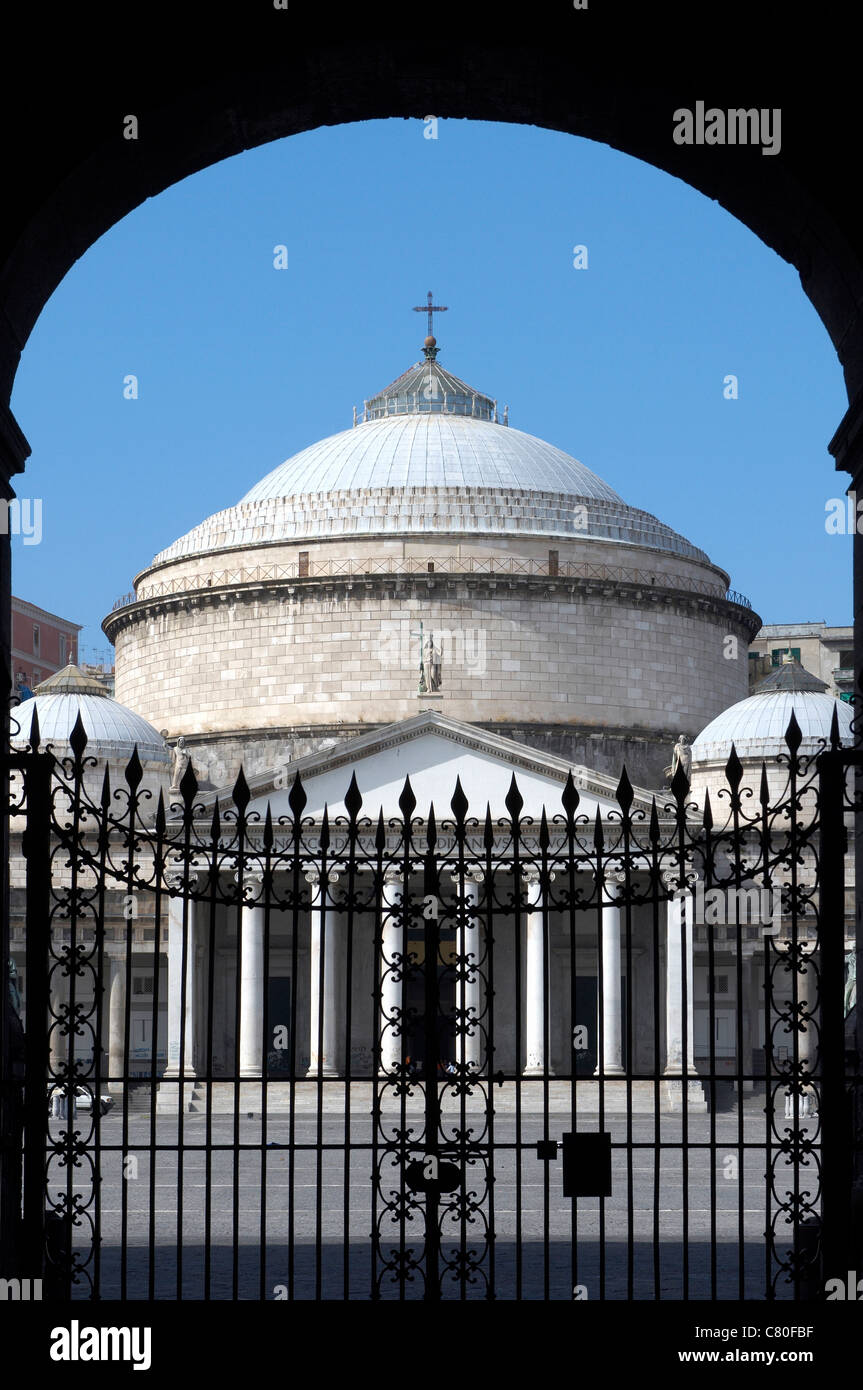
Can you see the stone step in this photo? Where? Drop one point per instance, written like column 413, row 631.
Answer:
column 221, row 1098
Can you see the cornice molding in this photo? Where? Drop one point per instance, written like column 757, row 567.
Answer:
column 397, row 586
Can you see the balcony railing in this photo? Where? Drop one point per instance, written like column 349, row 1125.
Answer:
column 454, row 565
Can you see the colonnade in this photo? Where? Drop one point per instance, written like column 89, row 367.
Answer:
column 326, row 1003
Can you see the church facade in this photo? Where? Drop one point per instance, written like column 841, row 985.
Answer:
column 433, row 595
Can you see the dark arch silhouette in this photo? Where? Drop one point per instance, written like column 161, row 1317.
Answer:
column 207, row 83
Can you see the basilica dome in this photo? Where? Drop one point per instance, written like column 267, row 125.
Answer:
column 430, row 556
column 429, row 454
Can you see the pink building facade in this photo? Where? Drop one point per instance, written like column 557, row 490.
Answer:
column 42, row 643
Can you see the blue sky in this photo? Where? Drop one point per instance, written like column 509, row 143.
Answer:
column 240, row 365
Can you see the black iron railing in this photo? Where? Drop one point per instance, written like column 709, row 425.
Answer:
column 592, row 1051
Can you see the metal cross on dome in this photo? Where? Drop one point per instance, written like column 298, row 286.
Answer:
column 430, row 308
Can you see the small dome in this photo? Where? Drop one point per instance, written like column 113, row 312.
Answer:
column 757, row 725
column 112, row 730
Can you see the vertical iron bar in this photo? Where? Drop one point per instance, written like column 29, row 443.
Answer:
column 629, row 1063
column 518, row 935
column 490, row 1047
column 211, row 887
column 769, row 1119
column 98, row 1041
column 181, row 1084
column 685, row 927
column 348, row 979
column 37, row 853
column 124, row 963
column 795, row 1011
column 738, row 1039
column 296, row 903
column 432, row 1100
column 546, row 1050
column 711, row 1034
column 323, row 902
column 573, row 1076
column 266, row 1038
column 377, row 1022
column 599, row 881
column 655, row 890
column 158, row 874
column 239, row 896
column 836, row 1167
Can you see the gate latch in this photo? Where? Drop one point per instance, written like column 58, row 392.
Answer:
column 546, row 1149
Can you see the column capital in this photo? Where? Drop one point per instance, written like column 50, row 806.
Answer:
column 673, row 878
column 394, row 876
column 532, row 876
column 612, row 881
column 252, row 878
column 313, row 875
column 176, row 877
column 470, row 875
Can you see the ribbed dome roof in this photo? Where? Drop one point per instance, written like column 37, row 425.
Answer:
column 757, row 725
column 431, row 451
column 429, row 456
column 112, row 730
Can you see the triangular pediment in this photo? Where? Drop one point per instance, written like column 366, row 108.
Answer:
column 435, row 752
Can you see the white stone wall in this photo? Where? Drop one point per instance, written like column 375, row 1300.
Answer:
column 509, row 654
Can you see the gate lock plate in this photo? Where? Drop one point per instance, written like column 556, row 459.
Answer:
column 586, row 1165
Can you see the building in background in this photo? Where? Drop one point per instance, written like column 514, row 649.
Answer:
column 42, row 644
column 828, row 652
column 101, row 672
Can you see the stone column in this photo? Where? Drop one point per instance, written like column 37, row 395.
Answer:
column 176, row 932
column 116, row 1025
column 610, row 1063
column 468, row 992
column 806, row 1045
column 252, row 984
column 59, row 1043
column 535, row 1021
column 805, row 994
column 678, row 966
column 749, row 1006
column 392, row 974
column 326, row 925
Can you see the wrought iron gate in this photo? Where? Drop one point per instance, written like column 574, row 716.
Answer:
column 438, row 1057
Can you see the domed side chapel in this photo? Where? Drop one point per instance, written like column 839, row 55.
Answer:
column 430, row 593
